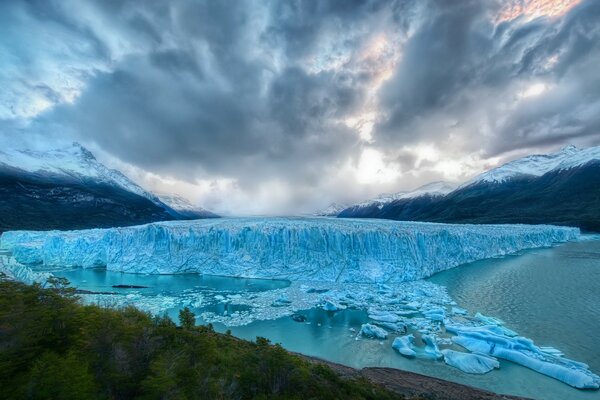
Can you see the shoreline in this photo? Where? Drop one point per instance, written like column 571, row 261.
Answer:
column 411, row 384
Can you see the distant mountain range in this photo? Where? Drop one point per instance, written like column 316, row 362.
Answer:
column 67, row 188
column 332, row 210
column 184, row 207
column 418, row 198
column 560, row 188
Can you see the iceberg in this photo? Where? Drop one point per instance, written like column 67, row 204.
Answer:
column 490, row 341
column 383, row 316
column 470, row 363
column 431, row 349
column 373, row 332
column 315, row 249
column 405, row 345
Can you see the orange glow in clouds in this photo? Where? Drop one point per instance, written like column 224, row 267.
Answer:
column 531, row 9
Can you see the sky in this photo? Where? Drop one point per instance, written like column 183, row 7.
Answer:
column 283, row 107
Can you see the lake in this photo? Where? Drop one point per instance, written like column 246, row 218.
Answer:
column 550, row 295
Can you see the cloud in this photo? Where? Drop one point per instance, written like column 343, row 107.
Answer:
column 279, row 107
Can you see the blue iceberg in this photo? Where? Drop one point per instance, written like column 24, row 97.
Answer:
column 470, row 363
column 490, row 341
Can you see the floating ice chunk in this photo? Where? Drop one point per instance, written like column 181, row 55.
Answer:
column 383, row 316
column 431, row 349
column 470, row 363
column 552, row 351
column 436, row 314
column 413, row 305
column 459, row 311
column 332, row 305
column 522, row 351
column 488, row 320
column 373, row 332
column 405, row 345
column 398, row 327
column 445, row 341
column 281, row 301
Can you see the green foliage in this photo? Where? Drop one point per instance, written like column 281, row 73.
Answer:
column 187, row 319
column 52, row 347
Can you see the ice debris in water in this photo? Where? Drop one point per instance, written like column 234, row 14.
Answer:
column 372, row 332
column 318, row 249
column 332, row 305
column 520, row 350
column 405, row 345
column 470, row 363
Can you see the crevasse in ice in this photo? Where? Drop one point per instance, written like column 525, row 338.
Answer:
column 319, row 249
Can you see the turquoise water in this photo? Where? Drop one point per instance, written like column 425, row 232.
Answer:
column 101, row 280
column 550, row 295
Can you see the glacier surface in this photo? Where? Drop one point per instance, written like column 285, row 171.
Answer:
column 316, row 249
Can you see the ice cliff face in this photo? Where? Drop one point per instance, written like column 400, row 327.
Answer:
column 318, row 249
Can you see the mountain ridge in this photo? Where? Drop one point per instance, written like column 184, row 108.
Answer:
column 68, row 188
column 561, row 188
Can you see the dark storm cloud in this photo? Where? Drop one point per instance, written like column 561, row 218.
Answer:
column 457, row 58
column 203, row 94
column 263, row 90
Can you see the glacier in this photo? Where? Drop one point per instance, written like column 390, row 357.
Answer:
column 316, row 249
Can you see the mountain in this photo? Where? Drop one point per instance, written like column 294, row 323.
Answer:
column 67, row 188
column 561, row 188
column 539, row 164
column 332, row 210
column 417, row 199
column 184, row 207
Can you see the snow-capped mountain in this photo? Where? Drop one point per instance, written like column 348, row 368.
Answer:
column 430, row 190
column 558, row 188
column 67, row 188
column 73, row 162
column 184, row 207
column 332, row 210
column 539, row 164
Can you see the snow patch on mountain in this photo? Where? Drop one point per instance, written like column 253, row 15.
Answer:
column 539, row 164
column 184, row 207
column 73, row 162
column 434, row 189
column 332, row 210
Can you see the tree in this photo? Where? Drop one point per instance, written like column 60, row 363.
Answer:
column 187, row 319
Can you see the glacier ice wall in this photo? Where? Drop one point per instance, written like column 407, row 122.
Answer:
column 318, row 249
